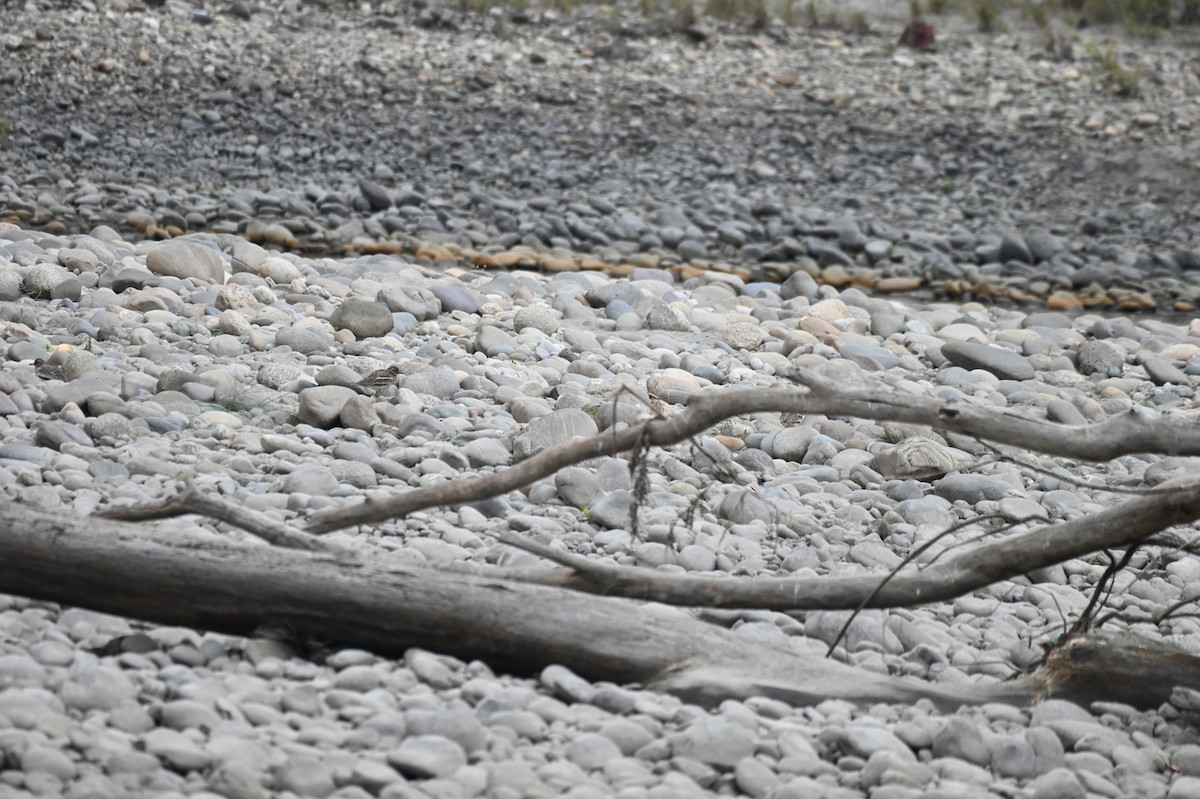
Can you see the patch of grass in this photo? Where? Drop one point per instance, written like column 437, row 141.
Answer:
column 1151, row 13
column 679, row 15
column 1104, row 12
column 760, row 18
column 857, row 24
column 1140, row 17
column 1037, row 12
column 987, row 16
column 1143, row 17
column 721, row 9
column 754, row 13
column 837, row 18
column 1106, row 65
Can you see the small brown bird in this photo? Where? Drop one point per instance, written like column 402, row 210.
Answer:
column 380, row 379
column 47, row 370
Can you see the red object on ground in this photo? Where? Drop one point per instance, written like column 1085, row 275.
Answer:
column 917, row 34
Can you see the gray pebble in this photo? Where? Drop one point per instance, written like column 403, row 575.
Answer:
column 551, row 430
column 1001, row 362
column 1099, row 357
column 424, row 756
column 363, row 318
column 714, row 741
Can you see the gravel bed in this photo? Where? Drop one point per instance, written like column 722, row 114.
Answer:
column 221, row 220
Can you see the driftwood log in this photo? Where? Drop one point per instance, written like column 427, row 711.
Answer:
column 114, row 567
column 591, row 617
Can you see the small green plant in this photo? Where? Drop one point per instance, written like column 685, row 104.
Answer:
column 760, row 18
column 1102, row 11
column 1147, row 14
column 1036, row 12
column 684, row 14
column 914, row 9
column 939, row 6
column 1106, row 65
column 6, row 127
column 987, row 15
column 810, row 15
column 857, row 24
column 720, row 9
column 586, row 510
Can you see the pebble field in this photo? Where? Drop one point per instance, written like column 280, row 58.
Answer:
column 218, row 222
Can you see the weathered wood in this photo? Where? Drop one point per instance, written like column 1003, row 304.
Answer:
column 1118, row 667
column 952, row 575
column 1138, row 430
column 115, row 568
column 341, row 600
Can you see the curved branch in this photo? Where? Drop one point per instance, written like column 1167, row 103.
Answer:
column 1136, row 431
column 193, row 500
column 1002, row 559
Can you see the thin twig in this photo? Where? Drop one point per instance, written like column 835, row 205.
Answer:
column 916, row 553
column 193, row 500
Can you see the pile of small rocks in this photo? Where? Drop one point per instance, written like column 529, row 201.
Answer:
column 330, row 182
column 994, row 167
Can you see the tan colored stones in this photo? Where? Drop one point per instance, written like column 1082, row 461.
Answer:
column 898, row 284
column 554, row 263
column 830, row 310
column 643, row 260
column 273, row 233
column 731, row 443
column 383, row 248
column 506, row 259
column 1133, row 300
column 1063, row 301
column 667, row 383
column 835, row 276
column 818, row 328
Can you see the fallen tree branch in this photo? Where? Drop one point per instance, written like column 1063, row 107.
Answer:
column 525, row 621
column 1135, row 431
column 1122, row 525
column 113, row 567
column 192, row 500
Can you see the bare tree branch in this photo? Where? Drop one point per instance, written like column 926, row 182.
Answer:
column 193, row 500
column 1122, row 525
column 1136, row 431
